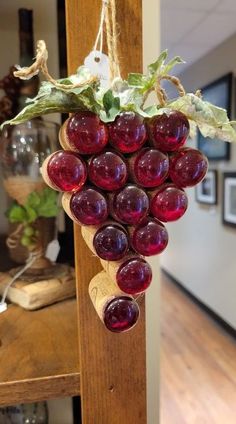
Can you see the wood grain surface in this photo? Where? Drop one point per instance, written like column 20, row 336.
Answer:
column 113, row 366
column 198, row 363
column 38, row 353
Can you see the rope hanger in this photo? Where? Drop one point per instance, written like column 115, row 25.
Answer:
column 108, row 20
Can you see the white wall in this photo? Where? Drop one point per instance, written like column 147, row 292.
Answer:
column 151, row 50
column 201, row 251
column 45, row 27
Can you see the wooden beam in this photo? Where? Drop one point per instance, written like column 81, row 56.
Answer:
column 113, row 366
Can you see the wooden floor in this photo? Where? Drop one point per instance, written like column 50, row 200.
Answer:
column 198, row 364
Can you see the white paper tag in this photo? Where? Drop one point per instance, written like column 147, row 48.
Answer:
column 53, row 250
column 98, row 64
column 3, row 307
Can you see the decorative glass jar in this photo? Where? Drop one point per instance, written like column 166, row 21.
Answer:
column 23, row 149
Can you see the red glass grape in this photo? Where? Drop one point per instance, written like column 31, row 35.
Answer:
column 121, row 314
column 86, row 133
column 149, row 167
column 108, row 171
column 64, row 171
column 149, row 238
column 168, row 203
column 111, row 242
column 188, row 167
column 130, row 205
column 134, row 275
column 169, row 131
column 89, row 206
column 128, row 132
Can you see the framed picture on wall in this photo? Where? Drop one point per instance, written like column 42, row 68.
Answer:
column 219, row 93
column 229, row 198
column 206, row 191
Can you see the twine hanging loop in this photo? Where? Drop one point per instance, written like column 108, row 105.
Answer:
column 108, row 21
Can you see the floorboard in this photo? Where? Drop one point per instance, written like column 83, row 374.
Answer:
column 198, row 363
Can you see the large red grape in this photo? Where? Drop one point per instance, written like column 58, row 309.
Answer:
column 188, row 167
column 129, row 205
column 128, row 132
column 111, row 242
column 168, row 131
column 64, row 171
column 134, row 275
column 149, row 167
column 89, row 206
column 108, row 171
column 149, row 238
column 168, row 203
column 121, row 314
column 86, row 133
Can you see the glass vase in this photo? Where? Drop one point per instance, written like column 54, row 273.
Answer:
column 24, row 147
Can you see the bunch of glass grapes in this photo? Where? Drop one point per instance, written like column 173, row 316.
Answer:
column 125, row 179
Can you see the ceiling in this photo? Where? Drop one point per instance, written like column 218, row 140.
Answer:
column 191, row 28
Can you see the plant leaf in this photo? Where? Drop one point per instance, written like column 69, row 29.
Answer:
column 26, row 241
column 48, row 207
column 16, row 213
column 30, row 213
column 33, row 199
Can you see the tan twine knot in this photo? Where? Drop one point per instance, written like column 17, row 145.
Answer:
column 198, row 93
column 13, row 241
column 14, row 238
column 40, row 64
column 161, row 92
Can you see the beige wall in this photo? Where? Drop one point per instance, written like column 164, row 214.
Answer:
column 201, row 252
column 45, row 27
column 151, row 50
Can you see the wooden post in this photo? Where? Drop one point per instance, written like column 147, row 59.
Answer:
column 113, row 366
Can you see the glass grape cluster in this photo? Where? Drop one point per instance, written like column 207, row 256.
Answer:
column 126, row 178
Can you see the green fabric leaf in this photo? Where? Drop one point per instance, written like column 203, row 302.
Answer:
column 156, row 69
column 137, row 80
column 51, row 99
column 56, row 101
column 122, row 96
column 212, row 121
column 171, row 64
column 108, row 100
column 111, row 105
column 129, row 97
column 156, row 66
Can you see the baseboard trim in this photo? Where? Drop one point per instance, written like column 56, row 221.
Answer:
column 230, row 330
